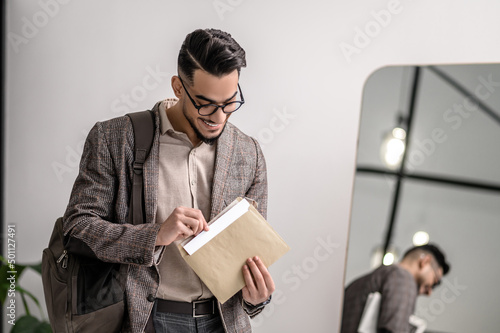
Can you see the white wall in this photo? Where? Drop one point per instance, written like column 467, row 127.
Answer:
column 76, row 66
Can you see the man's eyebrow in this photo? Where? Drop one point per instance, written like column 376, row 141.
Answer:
column 211, row 101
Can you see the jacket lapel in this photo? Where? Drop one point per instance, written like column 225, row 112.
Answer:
column 224, row 154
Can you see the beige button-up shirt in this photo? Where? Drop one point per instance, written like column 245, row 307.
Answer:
column 185, row 179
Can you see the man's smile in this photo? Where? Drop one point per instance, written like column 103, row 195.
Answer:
column 209, row 124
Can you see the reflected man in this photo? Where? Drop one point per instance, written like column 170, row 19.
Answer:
column 418, row 273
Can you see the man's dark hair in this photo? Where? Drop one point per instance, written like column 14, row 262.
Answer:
column 434, row 251
column 211, row 50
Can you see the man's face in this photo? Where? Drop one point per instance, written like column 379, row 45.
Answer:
column 429, row 277
column 209, row 89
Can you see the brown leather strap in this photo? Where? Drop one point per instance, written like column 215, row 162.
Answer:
column 144, row 129
column 196, row 309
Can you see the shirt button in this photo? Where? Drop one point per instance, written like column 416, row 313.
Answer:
column 151, row 298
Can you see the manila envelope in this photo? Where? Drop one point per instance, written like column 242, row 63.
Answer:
column 220, row 260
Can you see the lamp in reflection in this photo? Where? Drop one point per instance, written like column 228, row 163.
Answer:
column 389, row 259
column 420, row 238
column 378, row 257
column 393, row 147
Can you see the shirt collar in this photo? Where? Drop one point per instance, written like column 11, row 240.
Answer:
column 165, row 124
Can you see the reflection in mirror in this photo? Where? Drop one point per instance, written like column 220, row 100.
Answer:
column 436, row 178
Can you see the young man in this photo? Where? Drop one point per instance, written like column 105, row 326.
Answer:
column 419, row 272
column 198, row 164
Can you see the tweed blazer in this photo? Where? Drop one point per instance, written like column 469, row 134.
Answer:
column 399, row 295
column 97, row 212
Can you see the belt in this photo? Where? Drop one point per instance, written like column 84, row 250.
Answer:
column 204, row 307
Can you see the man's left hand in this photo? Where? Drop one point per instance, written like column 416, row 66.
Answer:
column 259, row 283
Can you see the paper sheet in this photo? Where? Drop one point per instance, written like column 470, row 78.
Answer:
column 217, row 227
column 369, row 319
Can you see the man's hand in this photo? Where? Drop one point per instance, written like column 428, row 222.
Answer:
column 259, row 283
column 182, row 223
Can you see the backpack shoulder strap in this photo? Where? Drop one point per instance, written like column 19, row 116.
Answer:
column 143, row 123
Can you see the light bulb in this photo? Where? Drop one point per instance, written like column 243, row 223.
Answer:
column 388, row 259
column 378, row 256
column 420, row 238
column 393, row 147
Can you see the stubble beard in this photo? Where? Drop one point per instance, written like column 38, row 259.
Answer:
column 199, row 135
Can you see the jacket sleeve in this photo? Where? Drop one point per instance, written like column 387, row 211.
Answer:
column 258, row 188
column 97, row 211
column 257, row 192
column 398, row 302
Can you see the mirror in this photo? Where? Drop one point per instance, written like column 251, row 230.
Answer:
column 447, row 184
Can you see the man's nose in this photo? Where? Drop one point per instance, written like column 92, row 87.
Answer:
column 219, row 116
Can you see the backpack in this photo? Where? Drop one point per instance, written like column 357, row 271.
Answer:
column 82, row 293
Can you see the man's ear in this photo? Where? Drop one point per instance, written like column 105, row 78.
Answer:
column 176, row 86
column 424, row 260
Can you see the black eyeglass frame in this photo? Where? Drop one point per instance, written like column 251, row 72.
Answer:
column 216, row 106
column 437, row 278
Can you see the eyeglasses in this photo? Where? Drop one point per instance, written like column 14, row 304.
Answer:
column 438, row 281
column 209, row 109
